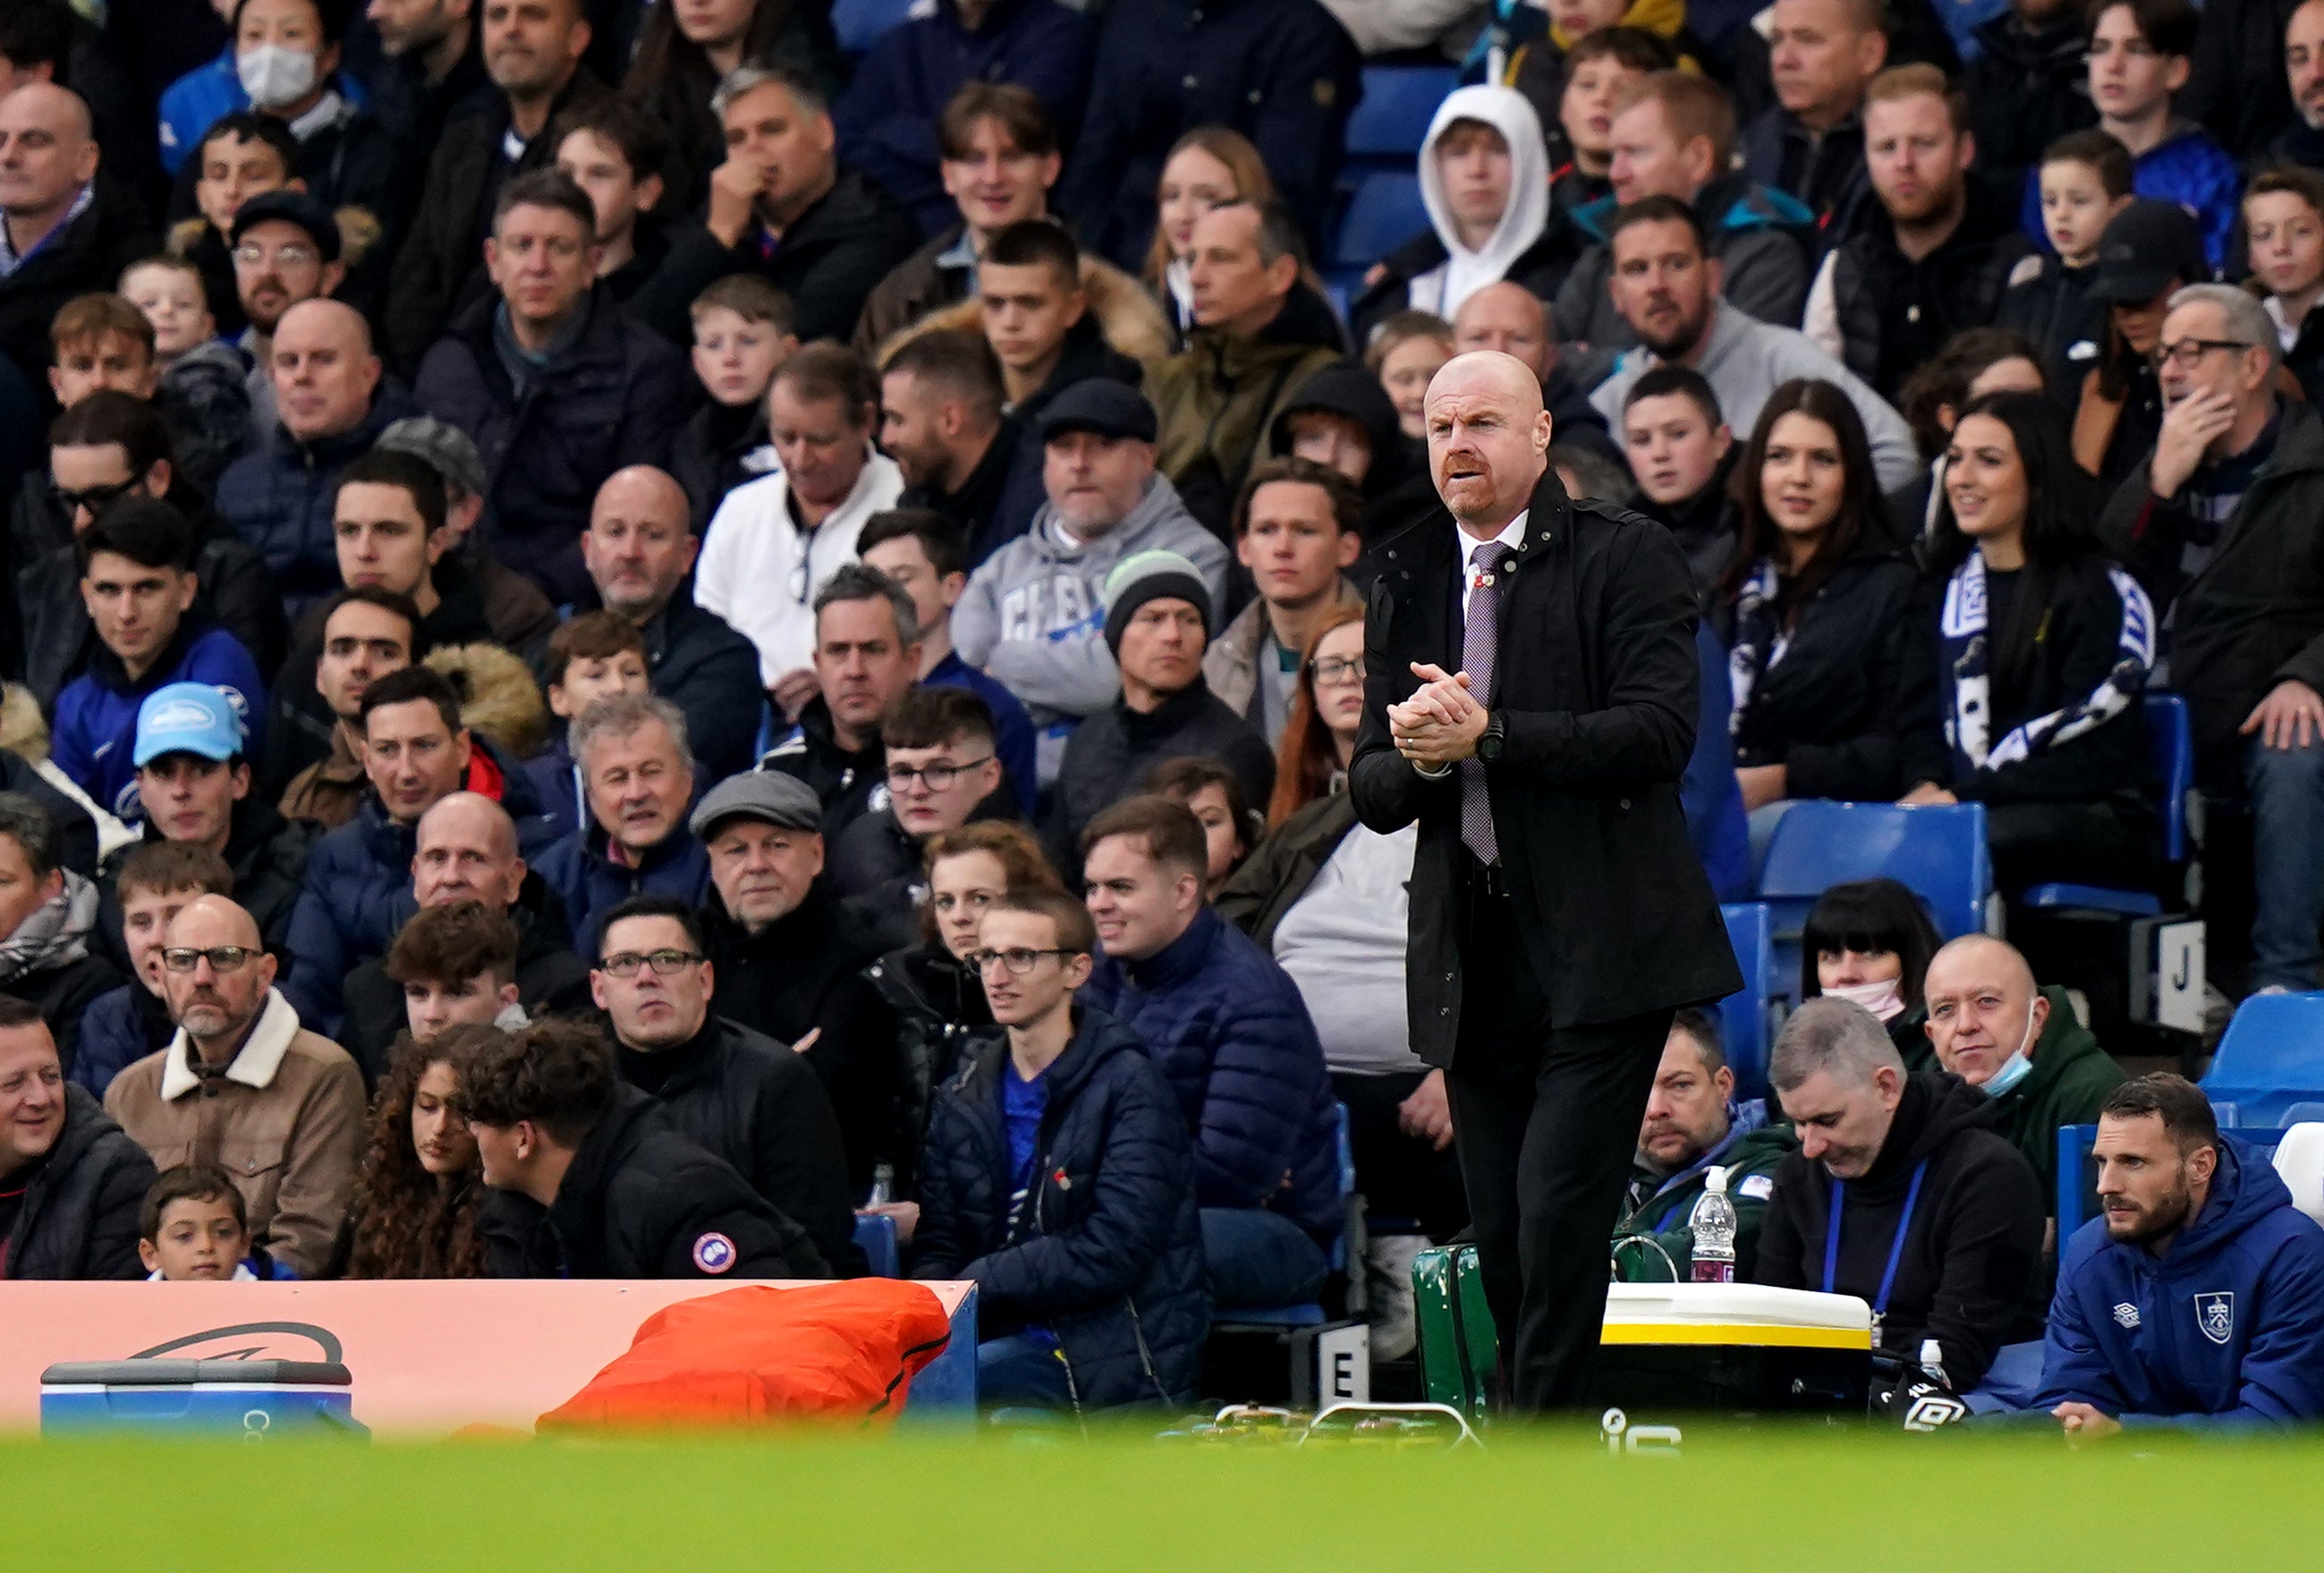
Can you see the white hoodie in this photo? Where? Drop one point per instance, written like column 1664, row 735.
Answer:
column 751, row 573
column 1441, row 290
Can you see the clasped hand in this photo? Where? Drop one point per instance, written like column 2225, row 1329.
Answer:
column 1440, row 722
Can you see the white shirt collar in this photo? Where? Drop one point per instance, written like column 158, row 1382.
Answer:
column 1512, row 536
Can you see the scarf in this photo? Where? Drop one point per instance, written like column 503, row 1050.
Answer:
column 1760, row 639
column 55, row 935
column 1966, row 672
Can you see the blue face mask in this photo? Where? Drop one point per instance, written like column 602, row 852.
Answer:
column 2017, row 1067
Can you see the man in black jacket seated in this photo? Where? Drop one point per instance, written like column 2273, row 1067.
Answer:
column 941, row 773
column 788, row 960
column 737, row 1094
column 555, row 381
column 782, row 207
column 590, row 1179
column 70, row 1181
column 64, row 228
column 1158, row 622
column 1940, row 1220
column 1681, row 453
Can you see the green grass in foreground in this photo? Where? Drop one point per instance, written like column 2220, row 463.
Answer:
column 1800, row 1501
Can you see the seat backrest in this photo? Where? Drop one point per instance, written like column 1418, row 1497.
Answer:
column 1743, row 1015
column 1390, row 121
column 875, row 1236
column 2271, row 1057
column 1385, row 212
column 2170, row 738
column 2300, row 1164
column 1937, row 852
column 860, row 22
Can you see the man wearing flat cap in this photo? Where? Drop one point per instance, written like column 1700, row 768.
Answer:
column 1034, row 613
column 788, row 961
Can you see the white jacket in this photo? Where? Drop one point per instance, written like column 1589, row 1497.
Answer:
column 749, row 570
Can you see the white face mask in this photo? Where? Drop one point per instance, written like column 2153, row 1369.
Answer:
column 2017, row 1066
column 274, row 76
column 1884, row 999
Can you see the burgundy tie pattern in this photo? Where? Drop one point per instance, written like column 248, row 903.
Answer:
column 1480, row 636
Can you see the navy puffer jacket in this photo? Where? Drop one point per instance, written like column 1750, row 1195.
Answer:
column 1231, row 1036
column 1106, row 1248
column 278, row 498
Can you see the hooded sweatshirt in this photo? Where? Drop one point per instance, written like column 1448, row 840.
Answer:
column 1464, row 271
column 1033, row 617
column 2225, row 1328
column 1968, row 1264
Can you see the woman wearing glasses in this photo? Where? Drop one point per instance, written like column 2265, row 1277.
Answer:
column 937, row 1000
column 2042, row 650
column 415, row 1209
column 1326, row 897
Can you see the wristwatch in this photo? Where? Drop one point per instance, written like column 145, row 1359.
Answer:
column 1489, row 745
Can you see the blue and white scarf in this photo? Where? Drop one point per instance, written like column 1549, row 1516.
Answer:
column 1760, row 639
column 1967, row 674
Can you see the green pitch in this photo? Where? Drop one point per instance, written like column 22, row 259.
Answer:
column 1801, row 1503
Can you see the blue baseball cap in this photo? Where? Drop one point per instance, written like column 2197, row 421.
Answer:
column 188, row 719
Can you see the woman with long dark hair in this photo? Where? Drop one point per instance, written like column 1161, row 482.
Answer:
column 416, row 1200
column 2151, row 249
column 1869, row 942
column 1816, row 612
column 2042, row 651
column 685, row 49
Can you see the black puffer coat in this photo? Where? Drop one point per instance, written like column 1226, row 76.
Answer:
column 80, row 1216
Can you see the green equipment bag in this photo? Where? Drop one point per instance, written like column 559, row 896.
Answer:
column 1457, row 1349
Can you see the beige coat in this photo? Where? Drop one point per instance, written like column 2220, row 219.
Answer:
column 286, row 1121
column 1230, row 664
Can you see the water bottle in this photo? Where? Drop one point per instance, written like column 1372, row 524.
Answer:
column 1712, row 1223
column 883, row 1185
column 1932, row 1362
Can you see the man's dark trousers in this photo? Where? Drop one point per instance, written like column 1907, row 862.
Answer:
column 1547, row 1127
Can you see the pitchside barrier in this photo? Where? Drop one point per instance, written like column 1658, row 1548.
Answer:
column 426, row 1357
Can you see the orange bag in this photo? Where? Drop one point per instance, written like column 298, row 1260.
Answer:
column 751, row 1355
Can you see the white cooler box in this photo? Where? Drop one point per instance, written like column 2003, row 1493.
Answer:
column 1733, row 1346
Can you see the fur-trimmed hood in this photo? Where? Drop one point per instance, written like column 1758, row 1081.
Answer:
column 498, row 696
column 1126, row 314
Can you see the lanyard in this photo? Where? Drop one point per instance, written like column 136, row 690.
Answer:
column 1895, row 1246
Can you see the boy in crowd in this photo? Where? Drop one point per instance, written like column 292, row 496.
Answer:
column 2085, row 180
column 595, row 654
column 2140, row 53
column 1682, row 452
column 100, row 341
column 203, row 385
column 158, row 880
column 741, row 334
column 242, row 155
column 194, row 1228
column 137, row 581
column 616, row 151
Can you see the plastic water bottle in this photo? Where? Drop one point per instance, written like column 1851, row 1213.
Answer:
column 883, row 1185
column 1712, row 1223
column 1932, row 1362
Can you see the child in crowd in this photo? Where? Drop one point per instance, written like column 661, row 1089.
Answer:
column 2140, row 52
column 1599, row 70
column 1406, row 351
column 203, row 392
column 742, row 333
column 194, row 1230
column 2283, row 234
column 243, row 156
column 2084, row 180
column 99, row 341
column 595, row 656
column 158, row 880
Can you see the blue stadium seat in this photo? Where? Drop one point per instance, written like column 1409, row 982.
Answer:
column 2171, row 734
column 1385, row 212
column 2271, row 1058
column 1937, row 852
column 1311, row 1314
column 860, row 22
column 1743, row 1015
column 1390, row 121
column 875, row 1236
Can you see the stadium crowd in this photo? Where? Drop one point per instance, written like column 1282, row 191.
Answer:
column 638, row 635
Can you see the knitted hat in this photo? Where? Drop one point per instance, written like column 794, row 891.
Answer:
column 1151, row 576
